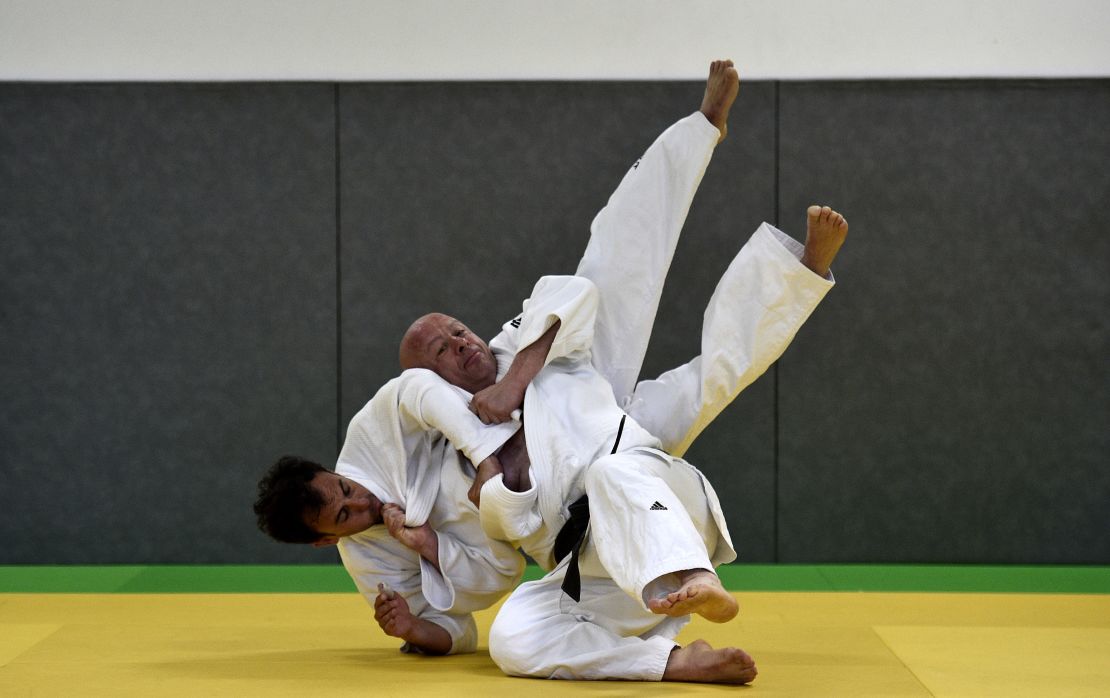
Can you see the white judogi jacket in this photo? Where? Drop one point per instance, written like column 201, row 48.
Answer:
column 571, row 420
column 393, row 450
column 390, row 441
column 570, row 415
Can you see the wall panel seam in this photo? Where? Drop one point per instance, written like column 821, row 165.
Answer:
column 338, row 275
column 775, row 430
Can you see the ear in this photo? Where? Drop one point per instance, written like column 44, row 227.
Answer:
column 325, row 541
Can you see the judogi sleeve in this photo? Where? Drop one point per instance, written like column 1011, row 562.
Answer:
column 429, row 403
column 470, row 577
column 571, row 300
column 374, row 556
column 507, row 515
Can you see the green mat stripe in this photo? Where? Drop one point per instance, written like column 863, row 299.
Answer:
column 254, row 579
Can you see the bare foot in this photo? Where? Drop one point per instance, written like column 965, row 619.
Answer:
column 720, row 93
column 701, row 592
column 825, row 233
column 700, row 662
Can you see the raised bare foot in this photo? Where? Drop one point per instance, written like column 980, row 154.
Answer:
column 720, row 93
column 700, row 662
column 701, row 592
column 825, row 233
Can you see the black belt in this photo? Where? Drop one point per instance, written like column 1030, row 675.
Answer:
column 573, row 533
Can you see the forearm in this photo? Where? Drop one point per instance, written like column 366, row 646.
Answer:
column 429, row 549
column 529, row 360
column 428, row 637
column 497, row 403
column 423, row 540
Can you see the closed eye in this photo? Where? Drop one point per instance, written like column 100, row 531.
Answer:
column 343, row 514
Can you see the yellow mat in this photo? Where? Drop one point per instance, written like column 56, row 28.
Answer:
column 805, row 644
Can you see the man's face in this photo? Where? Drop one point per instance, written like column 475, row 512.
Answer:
column 349, row 508
column 443, row 344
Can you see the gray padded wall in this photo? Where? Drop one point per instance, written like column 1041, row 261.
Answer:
column 187, row 293
column 950, row 401
column 168, row 295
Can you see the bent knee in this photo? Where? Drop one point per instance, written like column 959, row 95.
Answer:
column 510, row 649
column 609, row 472
column 525, row 618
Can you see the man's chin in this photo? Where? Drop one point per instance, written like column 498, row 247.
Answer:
column 482, row 375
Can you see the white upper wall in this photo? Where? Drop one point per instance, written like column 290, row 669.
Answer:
column 205, row 40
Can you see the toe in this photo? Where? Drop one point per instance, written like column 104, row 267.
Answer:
column 813, row 212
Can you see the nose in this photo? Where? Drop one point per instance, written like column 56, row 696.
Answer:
column 460, row 343
column 359, row 504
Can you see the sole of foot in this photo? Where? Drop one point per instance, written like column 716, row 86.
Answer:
column 700, row 594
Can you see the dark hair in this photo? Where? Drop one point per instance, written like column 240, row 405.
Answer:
column 285, row 495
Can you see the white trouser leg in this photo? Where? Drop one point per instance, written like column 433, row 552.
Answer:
column 541, row 632
column 632, row 241
column 650, row 516
column 760, row 303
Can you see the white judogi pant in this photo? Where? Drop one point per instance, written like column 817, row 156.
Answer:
column 759, row 305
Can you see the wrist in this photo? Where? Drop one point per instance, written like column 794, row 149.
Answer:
column 517, row 378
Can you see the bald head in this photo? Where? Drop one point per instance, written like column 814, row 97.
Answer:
column 444, row 345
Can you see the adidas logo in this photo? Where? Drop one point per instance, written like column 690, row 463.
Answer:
column 657, row 507
column 515, row 322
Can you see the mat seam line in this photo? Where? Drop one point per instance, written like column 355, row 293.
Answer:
column 901, row 661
